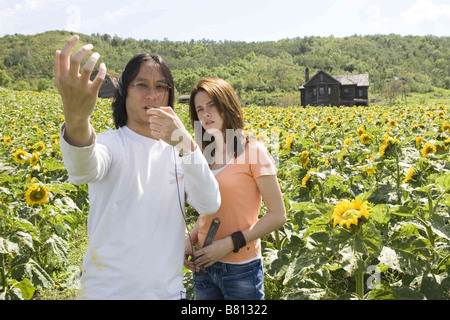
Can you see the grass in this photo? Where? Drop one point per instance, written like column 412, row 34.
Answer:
column 437, row 97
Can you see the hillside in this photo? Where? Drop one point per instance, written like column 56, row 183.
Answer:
column 262, row 72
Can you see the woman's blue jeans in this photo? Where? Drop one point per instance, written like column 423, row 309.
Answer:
column 225, row 281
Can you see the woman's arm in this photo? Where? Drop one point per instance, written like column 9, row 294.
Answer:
column 272, row 220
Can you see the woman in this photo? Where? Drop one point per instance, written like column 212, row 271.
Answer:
column 246, row 173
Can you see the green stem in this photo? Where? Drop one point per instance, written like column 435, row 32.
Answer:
column 2, row 270
column 321, row 192
column 277, row 239
column 360, row 284
column 436, row 270
column 429, row 232
column 397, row 163
column 430, row 203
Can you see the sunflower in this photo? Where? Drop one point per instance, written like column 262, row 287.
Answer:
column 392, row 123
column 304, row 158
column 305, row 180
column 36, row 194
column 389, row 146
column 445, row 126
column 410, row 176
column 39, row 146
column 313, row 127
column 307, row 177
column 275, row 131
column 20, row 156
column 369, row 172
column 419, row 141
column 365, row 138
column 348, row 213
column 3, row 207
column 289, row 141
column 361, row 130
column 7, row 141
column 34, row 158
column 428, row 148
column 347, row 141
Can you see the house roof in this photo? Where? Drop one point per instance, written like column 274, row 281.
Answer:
column 361, row 80
column 114, row 77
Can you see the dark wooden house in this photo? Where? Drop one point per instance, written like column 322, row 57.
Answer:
column 327, row 90
column 109, row 85
column 185, row 98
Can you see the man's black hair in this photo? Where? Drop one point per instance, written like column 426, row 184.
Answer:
column 128, row 75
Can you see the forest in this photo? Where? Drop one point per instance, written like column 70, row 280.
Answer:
column 263, row 73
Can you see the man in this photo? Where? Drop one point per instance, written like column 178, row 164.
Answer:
column 138, row 177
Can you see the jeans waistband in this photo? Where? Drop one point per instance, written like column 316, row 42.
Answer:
column 227, row 266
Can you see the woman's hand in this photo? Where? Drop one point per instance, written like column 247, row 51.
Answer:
column 188, row 252
column 214, row 252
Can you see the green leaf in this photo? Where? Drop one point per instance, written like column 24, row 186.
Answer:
column 406, row 293
column 372, row 239
column 25, row 239
column 380, row 213
column 431, row 288
column 26, row 288
column 444, row 181
column 384, row 193
column 8, row 247
column 404, row 210
column 58, row 246
column 38, row 277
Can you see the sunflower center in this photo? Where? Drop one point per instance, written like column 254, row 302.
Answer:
column 37, row 195
column 350, row 214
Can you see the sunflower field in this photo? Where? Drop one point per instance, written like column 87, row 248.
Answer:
column 366, row 190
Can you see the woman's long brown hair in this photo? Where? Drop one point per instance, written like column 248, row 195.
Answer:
column 227, row 103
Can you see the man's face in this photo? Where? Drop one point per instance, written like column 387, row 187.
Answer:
column 148, row 90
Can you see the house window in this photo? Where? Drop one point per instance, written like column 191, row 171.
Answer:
column 345, row 90
column 321, row 91
column 314, row 92
column 360, row 92
column 329, row 91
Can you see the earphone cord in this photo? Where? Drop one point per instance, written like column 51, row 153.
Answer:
column 179, row 201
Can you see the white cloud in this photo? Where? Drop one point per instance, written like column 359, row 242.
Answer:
column 377, row 22
column 425, row 11
column 7, row 16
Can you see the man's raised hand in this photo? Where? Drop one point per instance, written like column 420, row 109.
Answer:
column 79, row 94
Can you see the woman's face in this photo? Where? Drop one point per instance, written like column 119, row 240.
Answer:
column 207, row 112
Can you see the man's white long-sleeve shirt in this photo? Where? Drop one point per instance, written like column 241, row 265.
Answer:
column 137, row 191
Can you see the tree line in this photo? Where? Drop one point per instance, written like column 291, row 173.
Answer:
column 261, row 72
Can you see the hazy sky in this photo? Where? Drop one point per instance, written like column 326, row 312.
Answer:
column 238, row 20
